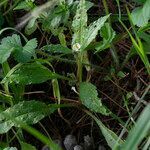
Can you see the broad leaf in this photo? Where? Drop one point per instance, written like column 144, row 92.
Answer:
column 92, row 31
column 25, row 54
column 31, row 26
column 84, row 35
column 26, row 5
column 57, row 49
column 12, row 44
column 29, row 112
column 141, row 15
column 108, row 34
column 89, row 97
column 4, row 53
column 11, row 41
column 79, row 23
column 8, row 45
column 31, row 73
column 10, row 148
column 26, row 146
column 55, row 18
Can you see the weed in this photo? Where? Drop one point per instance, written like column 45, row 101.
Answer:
column 65, row 35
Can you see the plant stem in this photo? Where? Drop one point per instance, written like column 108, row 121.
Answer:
column 79, row 66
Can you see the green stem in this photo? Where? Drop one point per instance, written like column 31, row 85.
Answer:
column 79, row 67
column 41, row 137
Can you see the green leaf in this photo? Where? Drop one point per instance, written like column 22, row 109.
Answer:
column 31, row 26
column 89, row 97
column 92, row 30
column 12, row 44
column 24, row 55
column 79, row 23
column 10, row 148
column 141, row 15
column 109, row 135
column 26, row 146
column 26, row 5
column 5, row 98
column 4, row 53
column 55, row 18
column 140, row 1
column 140, row 130
column 121, row 74
column 11, row 41
column 8, row 45
column 29, row 112
column 31, row 73
column 57, row 49
column 108, row 34
column 84, row 35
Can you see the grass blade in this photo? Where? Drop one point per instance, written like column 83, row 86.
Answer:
column 140, row 130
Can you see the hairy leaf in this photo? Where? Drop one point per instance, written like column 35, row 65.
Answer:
column 79, row 23
column 29, row 112
column 55, row 18
column 92, row 31
column 10, row 148
column 89, row 97
column 8, row 45
column 26, row 5
column 57, row 49
column 24, row 55
column 12, row 44
column 31, row 73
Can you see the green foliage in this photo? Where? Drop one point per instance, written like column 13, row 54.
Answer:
column 30, row 73
column 141, row 15
column 108, row 34
column 26, row 146
column 29, row 112
column 57, row 48
column 8, row 45
column 139, row 131
column 12, row 44
column 84, row 35
column 89, row 97
column 41, row 137
column 79, row 23
column 53, row 19
column 25, row 54
column 92, row 31
column 140, row 1
column 109, row 135
column 10, row 148
column 137, row 43
column 66, row 21
column 26, row 5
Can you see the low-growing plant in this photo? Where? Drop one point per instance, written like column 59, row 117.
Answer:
column 24, row 63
